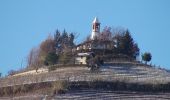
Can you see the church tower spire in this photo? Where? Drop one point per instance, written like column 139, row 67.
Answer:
column 95, row 28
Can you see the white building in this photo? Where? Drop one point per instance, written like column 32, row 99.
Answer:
column 93, row 45
column 82, row 57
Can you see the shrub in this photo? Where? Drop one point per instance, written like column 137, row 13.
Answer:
column 52, row 67
column 59, row 87
column 51, row 59
column 146, row 57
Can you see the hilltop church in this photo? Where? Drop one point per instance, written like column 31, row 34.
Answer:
column 94, row 45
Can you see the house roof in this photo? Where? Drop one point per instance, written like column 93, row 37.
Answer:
column 93, row 41
column 84, row 54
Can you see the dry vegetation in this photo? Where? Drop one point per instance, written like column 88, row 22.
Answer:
column 52, row 89
column 126, row 76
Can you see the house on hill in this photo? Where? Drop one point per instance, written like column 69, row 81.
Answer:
column 95, row 44
column 82, row 57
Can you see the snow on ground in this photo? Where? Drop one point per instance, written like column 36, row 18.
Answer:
column 40, row 70
column 110, row 95
column 108, row 72
column 95, row 95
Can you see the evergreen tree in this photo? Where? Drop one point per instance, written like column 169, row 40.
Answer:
column 57, row 38
column 135, row 50
column 71, row 39
column 64, row 37
column 51, row 58
column 63, row 42
column 125, row 45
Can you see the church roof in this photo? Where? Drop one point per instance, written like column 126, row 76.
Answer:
column 94, row 41
column 96, row 20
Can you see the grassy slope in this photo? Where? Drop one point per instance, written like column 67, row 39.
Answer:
column 118, row 72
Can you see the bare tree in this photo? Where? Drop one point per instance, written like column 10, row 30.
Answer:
column 33, row 59
column 106, row 34
column 118, row 31
column 12, row 72
column 48, row 45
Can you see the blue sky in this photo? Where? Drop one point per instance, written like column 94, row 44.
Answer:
column 26, row 23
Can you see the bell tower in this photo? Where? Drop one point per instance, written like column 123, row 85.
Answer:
column 95, row 28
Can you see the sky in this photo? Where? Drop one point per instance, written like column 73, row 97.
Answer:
column 24, row 24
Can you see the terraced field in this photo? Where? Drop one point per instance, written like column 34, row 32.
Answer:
column 126, row 72
column 95, row 95
column 111, row 95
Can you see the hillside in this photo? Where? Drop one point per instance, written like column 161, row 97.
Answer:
column 128, row 72
column 124, row 71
